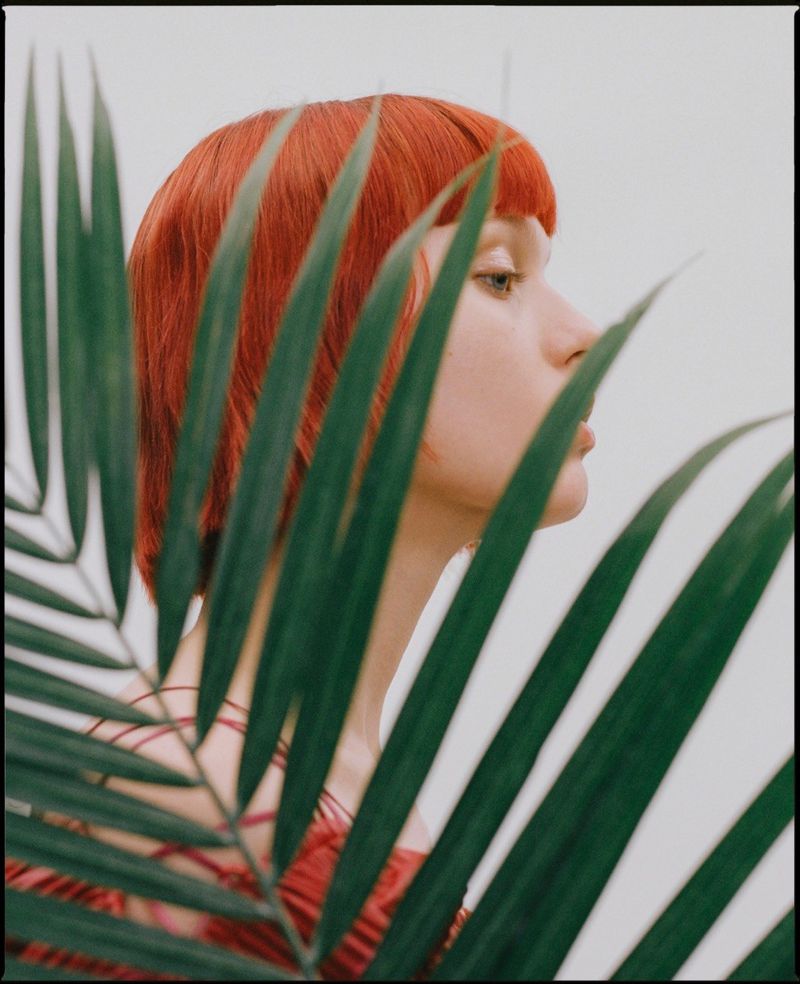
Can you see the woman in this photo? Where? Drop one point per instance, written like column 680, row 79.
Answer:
column 513, row 344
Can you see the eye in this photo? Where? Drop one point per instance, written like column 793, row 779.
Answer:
column 501, row 282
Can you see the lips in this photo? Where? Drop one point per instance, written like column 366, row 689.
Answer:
column 585, row 436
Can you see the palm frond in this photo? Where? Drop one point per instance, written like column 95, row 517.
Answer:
column 241, row 557
column 327, row 590
column 536, row 903
column 17, row 506
column 111, row 340
column 313, row 531
column 202, row 416
column 25, row 970
column 514, row 749
column 23, row 587
column 122, row 941
column 666, row 946
column 50, row 746
column 23, row 680
column 23, row 635
column 73, row 272
column 76, row 855
column 429, row 706
column 346, row 610
column 81, row 799
column 772, row 959
column 33, row 309
column 15, row 540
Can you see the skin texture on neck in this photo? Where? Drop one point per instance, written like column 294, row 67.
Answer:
column 428, row 535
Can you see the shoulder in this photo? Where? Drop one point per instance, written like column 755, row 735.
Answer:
column 211, row 763
column 167, row 744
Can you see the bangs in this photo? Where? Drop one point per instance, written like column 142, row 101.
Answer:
column 435, row 140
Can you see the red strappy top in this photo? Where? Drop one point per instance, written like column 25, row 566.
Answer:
column 301, row 889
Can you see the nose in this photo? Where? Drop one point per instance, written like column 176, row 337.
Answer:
column 585, row 334
column 570, row 333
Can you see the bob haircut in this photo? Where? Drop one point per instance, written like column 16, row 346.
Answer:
column 421, row 145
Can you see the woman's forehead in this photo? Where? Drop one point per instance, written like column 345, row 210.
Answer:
column 527, row 226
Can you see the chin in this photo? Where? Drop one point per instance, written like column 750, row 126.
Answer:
column 568, row 496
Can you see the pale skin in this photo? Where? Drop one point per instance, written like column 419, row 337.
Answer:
column 514, row 343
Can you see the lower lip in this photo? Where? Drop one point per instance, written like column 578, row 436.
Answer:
column 586, row 435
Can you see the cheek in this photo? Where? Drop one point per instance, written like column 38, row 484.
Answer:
column 487, row 404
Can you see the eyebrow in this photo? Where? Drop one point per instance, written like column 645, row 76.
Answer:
column 519, row 224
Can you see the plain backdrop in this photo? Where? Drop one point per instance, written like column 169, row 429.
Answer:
column 667, row 130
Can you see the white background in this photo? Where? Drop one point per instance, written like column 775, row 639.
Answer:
column 667, row 130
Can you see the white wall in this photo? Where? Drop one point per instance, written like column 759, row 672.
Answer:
column 667, row 130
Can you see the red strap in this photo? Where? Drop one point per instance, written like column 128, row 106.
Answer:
column 278, row 757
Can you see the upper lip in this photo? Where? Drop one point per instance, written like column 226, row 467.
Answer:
column 588, row 409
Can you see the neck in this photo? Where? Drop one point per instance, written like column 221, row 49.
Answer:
column 428, row 535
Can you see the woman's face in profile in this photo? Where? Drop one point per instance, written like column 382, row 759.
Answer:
column 514, row 343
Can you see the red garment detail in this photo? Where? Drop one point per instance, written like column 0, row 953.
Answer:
column 302, row 890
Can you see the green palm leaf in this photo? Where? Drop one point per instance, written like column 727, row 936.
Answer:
column 17, row 506
column 422, row 722
column 345, row 616
column 63, row 850
column 50, row 746
column 669, row 942
column 327, row 589
column 772, row 959
column 312, row 533
column 241, row 556
column 23, row 587
column 72, row 270
column 76, row 798
column 21, row 970
column 438, row 888
column 112, row 353
column 590, row 813
column 22, row 543
column 34, row 684
column 202, row 416
column 48, row 643
column 33, row 312
column 73, row 927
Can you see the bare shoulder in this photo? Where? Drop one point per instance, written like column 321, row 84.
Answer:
column 167, row 744
column 215, row 759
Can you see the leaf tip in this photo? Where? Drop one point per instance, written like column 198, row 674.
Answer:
column 62, row 103
column 30, row 85
column 99, row 105
column 678, row 270
column 93, row 66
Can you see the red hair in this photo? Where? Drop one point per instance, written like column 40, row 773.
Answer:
column 421, row 145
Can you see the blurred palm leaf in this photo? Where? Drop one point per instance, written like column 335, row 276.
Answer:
column 680, row 927
column 772, row 959
column 119, row 940
column 543, row 893
column 111, row 341
column 33, row 312
column 74, row 324
column 515, row 747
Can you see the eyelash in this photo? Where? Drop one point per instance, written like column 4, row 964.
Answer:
column 514, row 278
